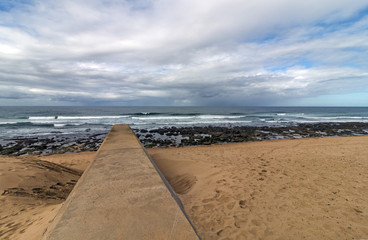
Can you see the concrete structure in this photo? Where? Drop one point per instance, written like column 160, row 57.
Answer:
column 122, row 195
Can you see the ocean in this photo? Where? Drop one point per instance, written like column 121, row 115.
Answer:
column 36, row 122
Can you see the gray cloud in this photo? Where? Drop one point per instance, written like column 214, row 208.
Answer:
column 181, row 52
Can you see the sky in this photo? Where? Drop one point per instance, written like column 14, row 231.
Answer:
column 184, row 52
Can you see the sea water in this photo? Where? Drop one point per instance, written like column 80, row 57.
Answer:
column 47, row 121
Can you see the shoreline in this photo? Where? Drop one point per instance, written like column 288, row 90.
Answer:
column 192, row 136
column 181, row 136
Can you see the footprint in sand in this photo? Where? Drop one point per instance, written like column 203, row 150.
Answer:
column 224, row 232
column 241, row 221
column 242, row 236
column 223, row 199
column 256, row 222
column 221, row 181
column 218, row 193
column 256, row 227
column 254, row 232
column 230, row 206
column 195, row 209
column 242, row 204
column 209, row 206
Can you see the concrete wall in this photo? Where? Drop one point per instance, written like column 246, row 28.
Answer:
column 122, row 195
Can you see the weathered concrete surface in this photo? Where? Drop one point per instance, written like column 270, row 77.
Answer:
column 121, row 196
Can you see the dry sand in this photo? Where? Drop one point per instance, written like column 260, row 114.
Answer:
column 285, row 189
column 32, row 189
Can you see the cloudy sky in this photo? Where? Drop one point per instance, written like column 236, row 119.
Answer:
column 184, row 52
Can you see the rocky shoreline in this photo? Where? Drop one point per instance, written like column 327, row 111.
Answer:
column 188, row 136
column 52, row 144
column 181, row 136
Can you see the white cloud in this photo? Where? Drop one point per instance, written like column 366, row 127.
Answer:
column 183, row 52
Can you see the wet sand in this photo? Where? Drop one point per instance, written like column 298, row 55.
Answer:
column 284, row 189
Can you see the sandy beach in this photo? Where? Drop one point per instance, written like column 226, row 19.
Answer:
column 285, row 189
column 33, row 189
column 183, row 120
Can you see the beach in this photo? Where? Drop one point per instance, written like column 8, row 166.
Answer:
column 159, row 119
column 33, row 189
column 312, row 188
